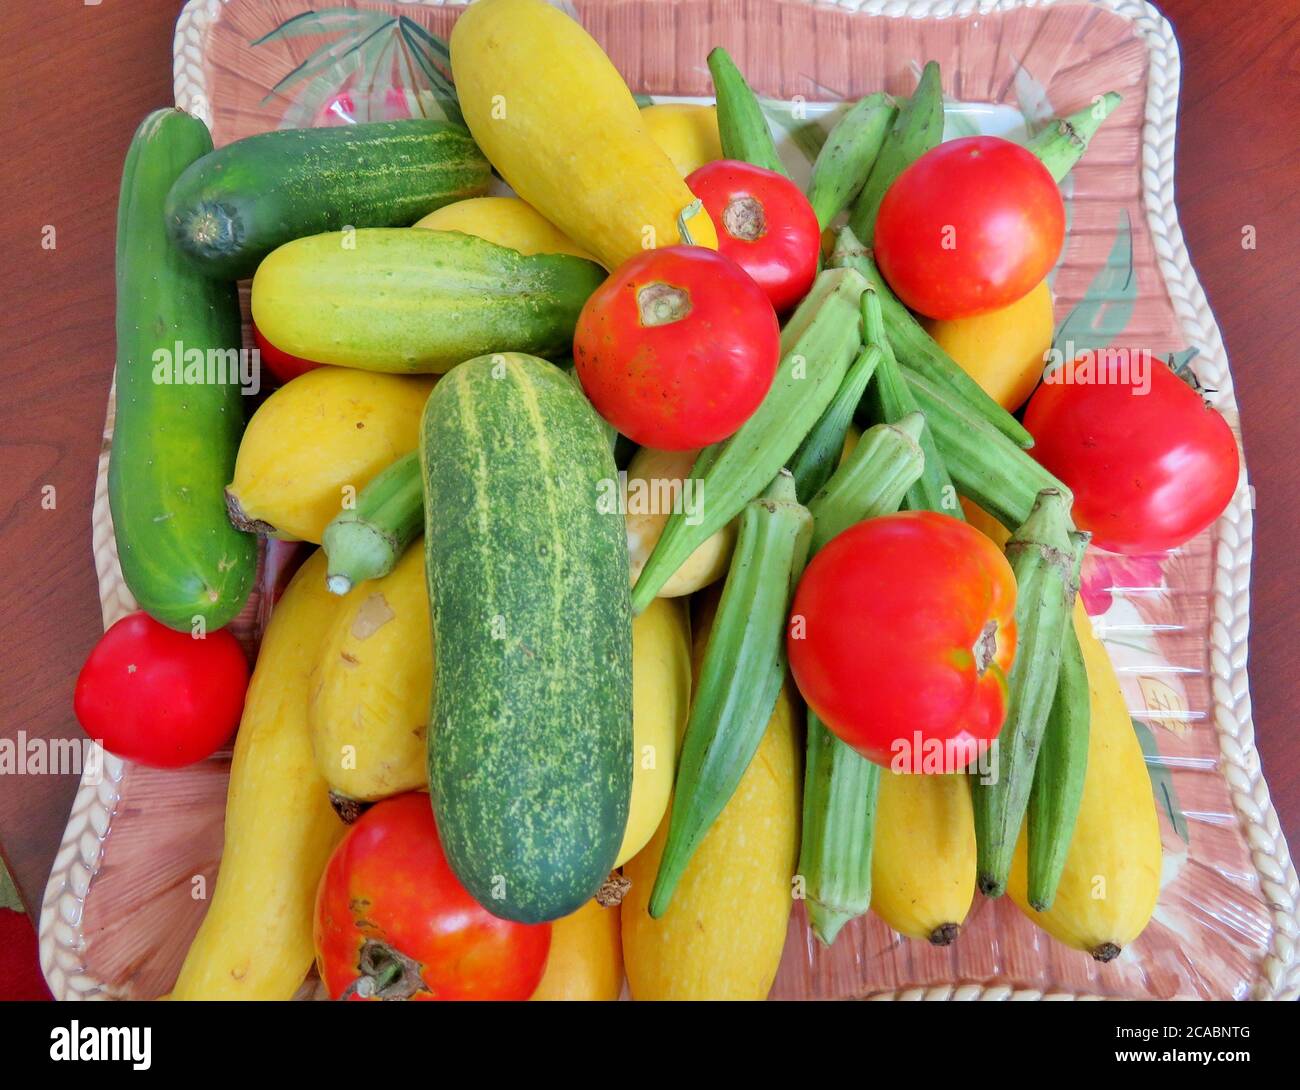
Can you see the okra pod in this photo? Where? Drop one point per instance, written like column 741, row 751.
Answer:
column 744, row 666
column 889, row 401
column 1062, row 143
column 816, row 458
column 915, row 348
column 850, row 151
column 840, row 785
column 917, row 128
column 986, row 466
column 818, row 343
column 1043, row 557
column 1058, row 775
column 367, row 541
column 741, row 124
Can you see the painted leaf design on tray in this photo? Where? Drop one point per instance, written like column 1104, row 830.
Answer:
column 1162, row 783
column 805, row 134
column 1031, row 99
column 1104, row 311
column 375, row 66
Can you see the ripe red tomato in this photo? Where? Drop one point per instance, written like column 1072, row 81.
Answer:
column 677, row 348
column 393, row 922
column 901, row 635
column 1149, row 463
column 971, row 226
column 765, row 225
column 282, row 366
column 160, row 697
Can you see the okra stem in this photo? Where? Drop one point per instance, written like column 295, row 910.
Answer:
column 815, row 460
column 741, row 124
column 850, row 151
column 744, row 666
column 1043, row 557
column 1062, row 143
column 915, row 348
column 367, row 541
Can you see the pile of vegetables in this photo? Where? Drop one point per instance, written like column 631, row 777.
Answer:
column 679, row 545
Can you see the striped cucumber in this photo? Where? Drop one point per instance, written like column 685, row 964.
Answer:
column 234, row 206
column 744, row 666
column 405, row 300
column 1062, row 143
column 987, row 467
column 815, row 460
column 174, row 443
column 1059, row 775
column 917, row 128
column 530, row 736
column 818, row 343
column 741, row 123
column 840, row 785
column 915, row 348
column 1044, row 557
column 367, row 541
column 846, row 159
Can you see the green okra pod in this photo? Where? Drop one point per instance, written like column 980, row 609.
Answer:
column 367, row 541
column 985, row 466
column 744, row 666
column 1058, row 775
column 917, row 128
column 850, row 151
column 840, row 785
column 1063, row 141
column 818, row 343
column 915, row 348
column 741, row 125
column 1044, row 560
column 815, row 460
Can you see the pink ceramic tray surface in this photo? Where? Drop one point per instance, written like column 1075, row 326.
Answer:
column 118, row 913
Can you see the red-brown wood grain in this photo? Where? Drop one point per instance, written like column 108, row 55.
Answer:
column 77, row 79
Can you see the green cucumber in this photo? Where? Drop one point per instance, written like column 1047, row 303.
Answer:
column 174, row 443
column 845, row 160
column 403, row 301
column 366, row 541
column 234, row 206
column 530, row 736
column 917, row 128
column 818, row 344
column 742, row 128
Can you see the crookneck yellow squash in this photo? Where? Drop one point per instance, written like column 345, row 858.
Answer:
column 507, row 221
column 256, row 939
column 553, row 115
column 586, row 958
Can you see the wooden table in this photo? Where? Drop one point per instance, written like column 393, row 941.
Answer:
column 76, row 81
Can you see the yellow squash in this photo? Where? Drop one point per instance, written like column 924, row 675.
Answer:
column 1112, row 873
column 586, row 959
column 923, row 862
column 1002, row 350
column 655, row 481
column 661, row 697
column 553, row 115
column 256, row 939
column 507, row 221
column 688, row 133
column 722, row 936
column 316, row 442
column 371, row 687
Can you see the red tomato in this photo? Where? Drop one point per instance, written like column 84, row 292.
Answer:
column 158, row 696
column 393, row 922
column 282, row 366
column 1149, row 463
column 901, row 635
column 971, row 226
column 765, row 225
column 677, row 348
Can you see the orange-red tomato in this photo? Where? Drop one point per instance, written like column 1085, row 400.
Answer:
column 393, row 921
column 901, row 635
column 971, row 226
column 765, row 225
column 677, row 348
column 282, row 365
